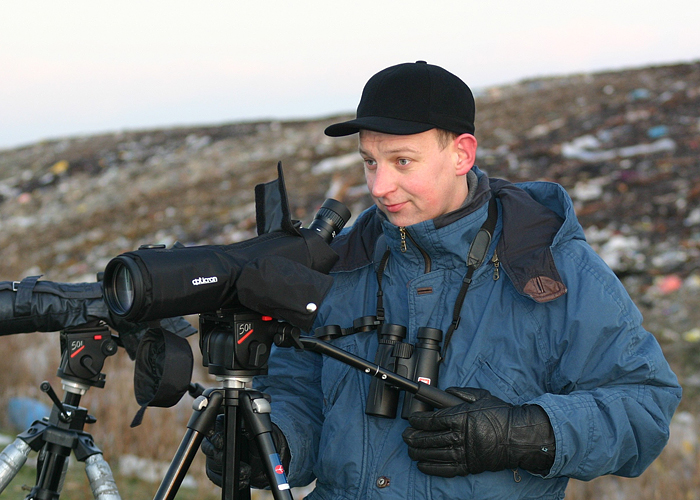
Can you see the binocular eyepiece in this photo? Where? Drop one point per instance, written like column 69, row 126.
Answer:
column 419, row 362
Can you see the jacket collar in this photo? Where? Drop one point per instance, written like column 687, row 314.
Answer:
column 526, row 233
column 444, row 240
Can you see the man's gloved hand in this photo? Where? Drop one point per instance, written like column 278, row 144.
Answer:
column 482, row 434
column 252, row 472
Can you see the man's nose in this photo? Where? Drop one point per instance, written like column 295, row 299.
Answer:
column 384, row 182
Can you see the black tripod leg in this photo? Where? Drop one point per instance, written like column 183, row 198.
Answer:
column 201, row 421
column 54, row 464
column 257, row 418
column 233, row 438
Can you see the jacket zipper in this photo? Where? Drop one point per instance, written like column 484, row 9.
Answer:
column 402, row 230
column 404, row 248
column 496, row 266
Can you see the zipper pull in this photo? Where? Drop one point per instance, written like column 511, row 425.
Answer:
column 496, row 266
column 516, row 476
column 402, row 230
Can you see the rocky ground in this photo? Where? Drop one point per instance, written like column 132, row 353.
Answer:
column 626, row 146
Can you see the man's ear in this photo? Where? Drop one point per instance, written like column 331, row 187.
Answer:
column 465, row 146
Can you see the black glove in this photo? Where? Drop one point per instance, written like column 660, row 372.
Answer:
column 483, row 434
column 252, row 472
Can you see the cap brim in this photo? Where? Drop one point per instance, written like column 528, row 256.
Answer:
column 377, row 124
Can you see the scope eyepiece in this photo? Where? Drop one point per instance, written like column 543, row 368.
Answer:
column 330, row 219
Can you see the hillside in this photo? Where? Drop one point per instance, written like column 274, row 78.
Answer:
column 626, row 145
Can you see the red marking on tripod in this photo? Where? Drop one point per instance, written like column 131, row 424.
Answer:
column 279, row 469
column 77, row 351
column 425, row 380
column 242, row 339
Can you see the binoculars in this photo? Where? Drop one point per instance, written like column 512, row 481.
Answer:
column 419, row 362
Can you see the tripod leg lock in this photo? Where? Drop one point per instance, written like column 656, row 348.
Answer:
column 206, row 408
column 200, row 403
column 261, row 406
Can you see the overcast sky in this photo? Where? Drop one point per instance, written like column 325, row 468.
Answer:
column 87, row 66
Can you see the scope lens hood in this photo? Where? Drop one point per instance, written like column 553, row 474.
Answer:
column 123, row 287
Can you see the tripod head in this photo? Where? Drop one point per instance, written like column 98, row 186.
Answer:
column 83, row 353
column 237, row 342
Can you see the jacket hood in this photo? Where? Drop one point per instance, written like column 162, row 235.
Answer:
column 525, row 246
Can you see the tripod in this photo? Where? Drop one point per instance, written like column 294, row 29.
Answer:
column 83, row 351
column 235, row 347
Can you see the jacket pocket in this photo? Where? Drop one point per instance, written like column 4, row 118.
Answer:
column 341, row 448
column 334, row 374
column 499, row 384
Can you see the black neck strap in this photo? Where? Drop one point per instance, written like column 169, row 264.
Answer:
column 380, row 293
column 477, row 253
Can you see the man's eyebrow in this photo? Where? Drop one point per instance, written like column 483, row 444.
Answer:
column 404, row 149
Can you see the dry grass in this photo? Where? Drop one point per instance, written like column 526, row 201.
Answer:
column 26, row 360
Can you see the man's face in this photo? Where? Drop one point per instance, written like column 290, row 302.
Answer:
column 411, row 177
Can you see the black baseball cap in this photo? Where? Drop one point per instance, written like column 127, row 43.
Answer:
column 411, row 98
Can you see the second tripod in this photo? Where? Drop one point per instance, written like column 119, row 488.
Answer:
column 83, row 350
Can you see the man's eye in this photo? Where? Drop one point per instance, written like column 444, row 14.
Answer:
column 404, row 161
column 370, row 163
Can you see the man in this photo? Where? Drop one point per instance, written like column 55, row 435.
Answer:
column 541, row 341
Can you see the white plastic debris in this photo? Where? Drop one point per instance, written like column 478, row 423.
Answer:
column 336, row 163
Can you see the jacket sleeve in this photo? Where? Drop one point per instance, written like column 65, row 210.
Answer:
column 294, row 384
column 612, row 394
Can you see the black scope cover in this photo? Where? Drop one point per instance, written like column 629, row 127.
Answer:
column 189, row 280
column 31, row 305
column 279, row 273
column 34, row 305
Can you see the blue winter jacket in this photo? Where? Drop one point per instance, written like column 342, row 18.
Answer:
column 544, row 322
